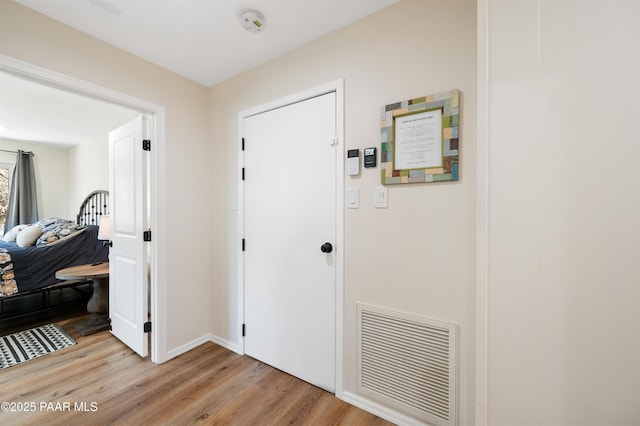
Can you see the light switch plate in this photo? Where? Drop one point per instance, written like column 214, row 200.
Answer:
column 380, row 198
column 353, row 198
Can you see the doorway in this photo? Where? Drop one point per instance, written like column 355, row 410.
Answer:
column 157, row 117
column 292, row 228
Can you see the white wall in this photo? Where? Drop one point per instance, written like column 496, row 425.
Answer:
column 185, row 194
column 417, row 256
column 89, row 165
column 89, row 170
column 563, row 206
column 65, row 175
column 51, row 165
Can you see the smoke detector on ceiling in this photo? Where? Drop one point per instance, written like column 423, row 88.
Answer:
column 252, row 21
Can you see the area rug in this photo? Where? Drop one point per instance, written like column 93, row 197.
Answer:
column 29, row 344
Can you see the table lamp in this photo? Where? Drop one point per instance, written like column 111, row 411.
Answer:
column 103, row 230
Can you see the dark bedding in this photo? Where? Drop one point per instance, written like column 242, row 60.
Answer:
column 35, row 267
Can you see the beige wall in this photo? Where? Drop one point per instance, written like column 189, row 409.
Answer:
column 185, row 193
column 417, row 256
column 563, row 202
column 52, row 176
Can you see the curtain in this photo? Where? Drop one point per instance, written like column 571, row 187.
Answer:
column 23, row 205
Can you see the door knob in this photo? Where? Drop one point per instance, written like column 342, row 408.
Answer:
column 326, row 248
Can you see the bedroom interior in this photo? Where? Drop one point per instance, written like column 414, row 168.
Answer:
column 30, row 264
column 69, row 142
column 532, row 252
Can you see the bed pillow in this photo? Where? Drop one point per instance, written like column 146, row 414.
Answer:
column 13, row 233
column 28, row 235
column 59, row 231
column 51, row 222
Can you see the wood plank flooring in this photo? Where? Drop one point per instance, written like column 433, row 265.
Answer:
column 101, row 381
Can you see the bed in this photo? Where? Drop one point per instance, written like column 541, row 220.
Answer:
column 28, row 267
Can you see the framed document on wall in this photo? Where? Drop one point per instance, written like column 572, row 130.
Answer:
column 419, row 139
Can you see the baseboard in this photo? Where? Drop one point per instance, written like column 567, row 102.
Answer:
column 187, row 347
column 225, row 344
column 201, row 340
column 380, row 410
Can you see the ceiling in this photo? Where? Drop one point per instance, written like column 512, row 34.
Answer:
column 202, row 40
column 36, row 113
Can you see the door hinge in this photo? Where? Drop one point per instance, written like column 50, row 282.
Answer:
column 243, row 173
column 244, row 330
column 146, row 235
column 146, row 144
column 243, row 144
column 243, row 244
column 147, row 327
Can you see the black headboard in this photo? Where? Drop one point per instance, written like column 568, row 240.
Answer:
column 93, row 208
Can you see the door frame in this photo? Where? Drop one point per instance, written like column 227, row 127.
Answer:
column 337, row 87
column 156, row 114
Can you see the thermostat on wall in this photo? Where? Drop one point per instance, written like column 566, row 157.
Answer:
column 370, row 158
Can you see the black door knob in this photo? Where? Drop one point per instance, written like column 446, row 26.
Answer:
column 326, row 248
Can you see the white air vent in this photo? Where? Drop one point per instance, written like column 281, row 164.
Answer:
column 408, row 363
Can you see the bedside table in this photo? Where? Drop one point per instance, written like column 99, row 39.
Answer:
column 98, row 305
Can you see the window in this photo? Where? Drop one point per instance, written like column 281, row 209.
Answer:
column 5, row 175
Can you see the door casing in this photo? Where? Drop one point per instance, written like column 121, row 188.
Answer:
column 337, row 87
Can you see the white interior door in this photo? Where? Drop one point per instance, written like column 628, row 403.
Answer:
column 128, row 283
column 290, row 213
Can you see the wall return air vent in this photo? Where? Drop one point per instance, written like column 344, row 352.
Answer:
column 408, row 363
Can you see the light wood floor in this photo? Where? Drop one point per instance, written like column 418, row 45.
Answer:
column 101, row 381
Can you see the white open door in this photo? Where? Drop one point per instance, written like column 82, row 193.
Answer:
column 128, row 283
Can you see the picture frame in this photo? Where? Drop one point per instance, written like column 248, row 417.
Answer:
column 420, row 139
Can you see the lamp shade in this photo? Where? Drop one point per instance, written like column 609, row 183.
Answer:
column 103, row 231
